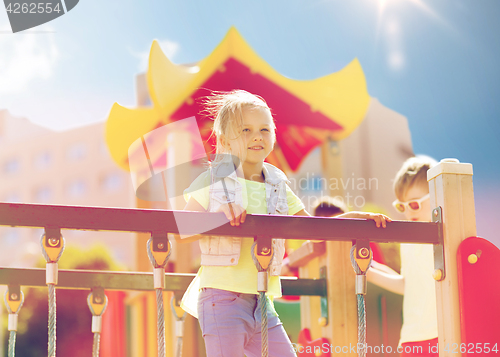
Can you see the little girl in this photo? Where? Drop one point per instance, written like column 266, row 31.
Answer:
column 224, row 293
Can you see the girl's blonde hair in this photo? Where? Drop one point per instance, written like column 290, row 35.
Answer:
column 413, row 172
column 227, row 110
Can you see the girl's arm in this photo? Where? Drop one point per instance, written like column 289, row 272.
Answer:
column 386, row 278
column 379, row 218
column 377, row 274
column 302, row 213
column 234, row 213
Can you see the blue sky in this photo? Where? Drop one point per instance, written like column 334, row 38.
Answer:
column 434, row 61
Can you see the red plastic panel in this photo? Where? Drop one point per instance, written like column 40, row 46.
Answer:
column 113, row 326
column 479, row 291
column 293, row 116
column 317, row 348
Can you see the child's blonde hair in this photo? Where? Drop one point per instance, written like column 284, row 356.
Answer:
column 413, row 172
column 227, row 110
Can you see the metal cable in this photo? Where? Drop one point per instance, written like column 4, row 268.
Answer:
column 263, row 328
column 12, row 328
column 159, row 300
column 263, row 305
column 52, row 321
column 160, row 323
column 51, row 349
column 96, row 345
column 361, row 325
column 12, row 343
column 361, row 308
column 96, row 318
column 179, row 347
column 179, row 327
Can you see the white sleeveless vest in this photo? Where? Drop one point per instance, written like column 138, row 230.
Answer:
column 225, row 251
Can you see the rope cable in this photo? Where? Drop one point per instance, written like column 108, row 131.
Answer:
column 97, row 307
column 13, row 316
column 161, row 323
column 51, row 345
column 159, row 298
column 52, row 321
column 179, row 327
column 12, row 343
column 96, row 344
column 360, row 299
column 262, row 302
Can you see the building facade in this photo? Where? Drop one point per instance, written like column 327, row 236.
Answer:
column 73, row 167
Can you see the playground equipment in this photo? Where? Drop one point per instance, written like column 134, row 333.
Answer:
column 337, row 107
column 451, row 195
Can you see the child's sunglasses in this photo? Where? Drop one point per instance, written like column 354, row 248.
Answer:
column 413, row 205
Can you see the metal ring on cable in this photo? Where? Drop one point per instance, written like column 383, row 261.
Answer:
column 175, row 309
column 52, row 247
column 262, row 259
column 13, row 302
column 52, row 243
column 159, row 259
column 158, row 256
column 97, row 305
column 179, row 326
column 13, row 305
column 361, row 260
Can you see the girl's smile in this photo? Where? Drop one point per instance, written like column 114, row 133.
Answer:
column 257, row 136
column 254, row 140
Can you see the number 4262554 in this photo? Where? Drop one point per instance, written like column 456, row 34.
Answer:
column 32, row 8
column 471, row 348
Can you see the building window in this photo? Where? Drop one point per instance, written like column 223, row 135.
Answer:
column 103, row 148
column 43, row 194
column 77, row 188
column 12, row 197
column 11, row 166
column 112, row 182
column 76, row 152
column 11, row 236
column 43, row 160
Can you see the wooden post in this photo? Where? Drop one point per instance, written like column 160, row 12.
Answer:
column 310, row 311
column 179, row 153
column 450, row 186
column 342, row 310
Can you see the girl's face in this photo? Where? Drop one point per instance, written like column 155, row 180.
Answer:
column 257, row 135
column 417, row 191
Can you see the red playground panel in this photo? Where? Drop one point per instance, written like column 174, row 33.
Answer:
column 317, row 348
column 479, row 291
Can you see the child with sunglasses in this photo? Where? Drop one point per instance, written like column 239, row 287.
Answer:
column 419, row 331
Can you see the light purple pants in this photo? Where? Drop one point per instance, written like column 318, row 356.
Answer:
column 230, row 323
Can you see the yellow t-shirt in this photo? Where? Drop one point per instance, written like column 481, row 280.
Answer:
column 419, row 302
column 241, row 278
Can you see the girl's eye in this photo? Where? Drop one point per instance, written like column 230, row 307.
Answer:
column 265, row 129
column 246, row 129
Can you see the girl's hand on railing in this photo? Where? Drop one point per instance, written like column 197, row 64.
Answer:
column 234, row 213
column 379, row 218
